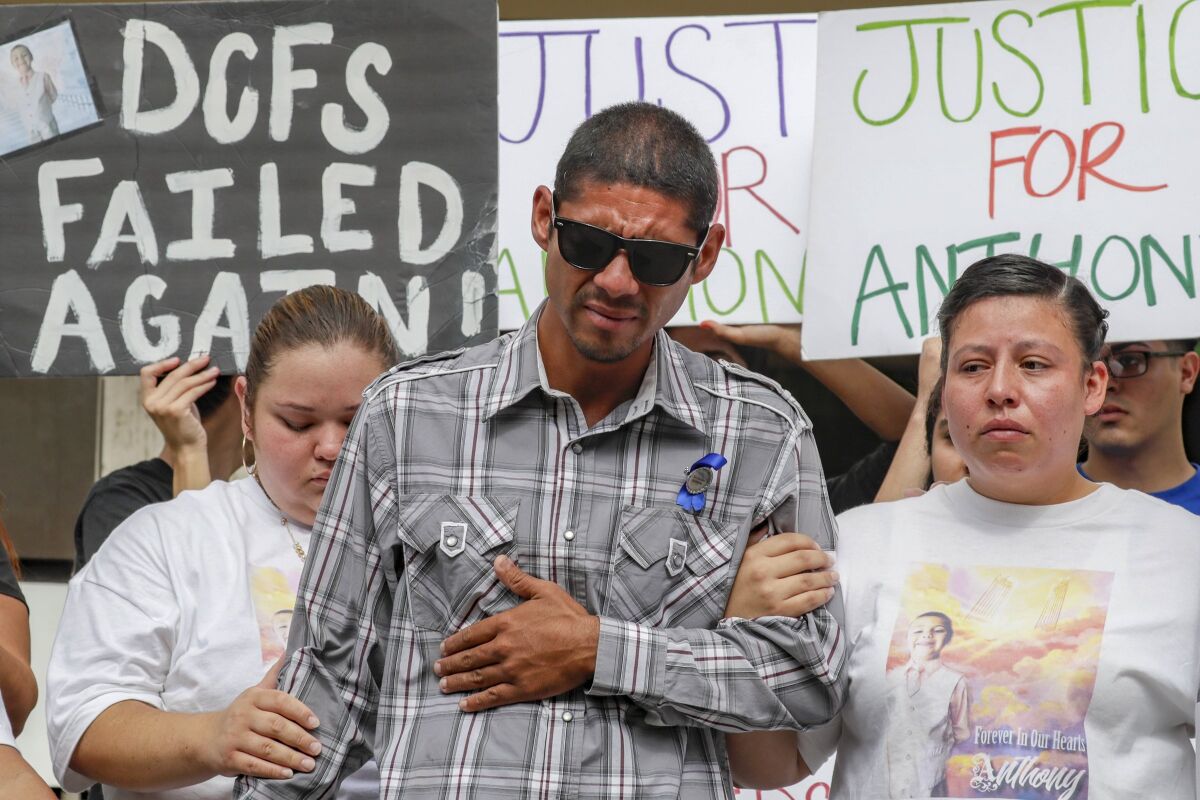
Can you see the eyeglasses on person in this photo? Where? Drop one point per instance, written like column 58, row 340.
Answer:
column 652, row 262
column 1134, row 363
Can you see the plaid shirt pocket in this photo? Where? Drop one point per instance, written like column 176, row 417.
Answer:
column 450, row 543
column 671, row 569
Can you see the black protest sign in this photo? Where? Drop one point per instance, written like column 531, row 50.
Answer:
column 169, row 170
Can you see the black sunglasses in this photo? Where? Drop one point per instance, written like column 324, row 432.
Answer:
column 652, row 262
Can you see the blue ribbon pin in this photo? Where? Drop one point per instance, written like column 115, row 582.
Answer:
column 699, row 476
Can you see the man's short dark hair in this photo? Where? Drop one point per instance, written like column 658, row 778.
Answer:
column 210, row 401
column 1011, row 274
column 1182, row 345
column 643, row 145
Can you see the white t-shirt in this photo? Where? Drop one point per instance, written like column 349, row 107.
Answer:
column 1076, row 628
column 6, row 732
column 184, row 607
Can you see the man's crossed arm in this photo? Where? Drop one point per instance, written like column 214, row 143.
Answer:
column 745, row 675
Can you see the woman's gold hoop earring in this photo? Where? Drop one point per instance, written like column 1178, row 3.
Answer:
column 248, row 464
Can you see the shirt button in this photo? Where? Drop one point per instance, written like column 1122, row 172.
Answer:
column 577, row 448
column 451, row 541
column 567, row 716
column 676, row 561
column 569, row 536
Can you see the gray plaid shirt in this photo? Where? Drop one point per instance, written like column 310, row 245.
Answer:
column 456, row 459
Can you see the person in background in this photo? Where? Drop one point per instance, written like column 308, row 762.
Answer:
column 1021, row 356
column 879, row 402
column 945, row 463
column 168, row 625
column 1136, row 441
column 193, row 406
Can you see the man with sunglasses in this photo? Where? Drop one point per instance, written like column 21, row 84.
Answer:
column 519, row 574
column 1136, row 440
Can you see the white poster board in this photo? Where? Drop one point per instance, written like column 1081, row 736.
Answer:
column 946, row 133
column 746, row 83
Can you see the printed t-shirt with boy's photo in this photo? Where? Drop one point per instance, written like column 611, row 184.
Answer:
column 1008, row 651
column 186, row 606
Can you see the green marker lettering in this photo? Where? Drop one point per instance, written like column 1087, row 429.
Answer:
column 978, row 78
column 891, row 288
column 1141, row 40
column 913, row 66
column 944, row 282
column 1072, row 264
column 506, row 256
column 1028, row 62
column 1078, row 6
column 796, row 300
column 987, row 242
column 1182, row 92
column 1186, row 276
column 741, row 291
column 1137, row 270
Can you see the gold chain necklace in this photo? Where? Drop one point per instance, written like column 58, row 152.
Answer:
column 283, row 521
column 295, row 544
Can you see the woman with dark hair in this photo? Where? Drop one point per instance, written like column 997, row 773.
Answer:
column 1080, row 626
column 161, row 682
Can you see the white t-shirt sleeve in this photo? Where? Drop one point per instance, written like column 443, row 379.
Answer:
column 817, row 745
column 115, row 638
column 6, row 733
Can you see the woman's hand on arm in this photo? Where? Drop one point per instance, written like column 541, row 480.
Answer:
column 785, row 575
column 263, row 732
column 18, row 686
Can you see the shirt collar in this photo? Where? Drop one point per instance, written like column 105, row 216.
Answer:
column 923, row 667
column 519, row 370
column 676, row 389
column 666, row 384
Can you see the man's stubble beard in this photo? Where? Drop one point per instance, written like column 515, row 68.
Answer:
column 601, row 352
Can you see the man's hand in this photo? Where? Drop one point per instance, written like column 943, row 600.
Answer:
column 542, row 648
column 781, row 339
column 171, row 403
column 786, row 575
column 262, row 733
